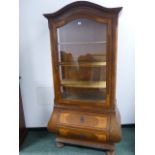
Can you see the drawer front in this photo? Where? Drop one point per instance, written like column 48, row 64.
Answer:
column 83, row 134
column 83, row 120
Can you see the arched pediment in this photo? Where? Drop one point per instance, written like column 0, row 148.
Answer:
column 85, row 5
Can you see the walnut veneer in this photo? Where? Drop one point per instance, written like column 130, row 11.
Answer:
column 83, row 39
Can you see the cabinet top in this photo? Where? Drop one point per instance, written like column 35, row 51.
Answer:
column 85, row 4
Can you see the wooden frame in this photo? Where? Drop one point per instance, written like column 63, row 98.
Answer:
column 103, row 15
column 108, row 16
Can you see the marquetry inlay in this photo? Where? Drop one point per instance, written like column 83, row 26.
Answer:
column 87, row 121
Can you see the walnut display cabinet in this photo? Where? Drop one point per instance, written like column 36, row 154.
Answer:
column 83, row 40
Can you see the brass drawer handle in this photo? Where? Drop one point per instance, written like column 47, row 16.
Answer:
column 82, row 120
column 82, row 136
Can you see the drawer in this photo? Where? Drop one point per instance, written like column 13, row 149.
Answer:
column 83, row 134
column 82, row 120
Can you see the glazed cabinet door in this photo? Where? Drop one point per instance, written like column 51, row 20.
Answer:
column 82, row 60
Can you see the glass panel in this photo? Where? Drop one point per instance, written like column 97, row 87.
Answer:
column 82, row 60
column 83, row 93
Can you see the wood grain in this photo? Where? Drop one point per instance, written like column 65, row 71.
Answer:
column 83, row 120
column 79, row 121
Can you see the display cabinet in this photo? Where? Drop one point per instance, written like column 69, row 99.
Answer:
column 83, row 40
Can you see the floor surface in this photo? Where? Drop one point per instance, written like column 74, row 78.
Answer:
column 43, row 143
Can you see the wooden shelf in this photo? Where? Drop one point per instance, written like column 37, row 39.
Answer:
column 83, row 64
column 83, row 84
column 81, row 43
